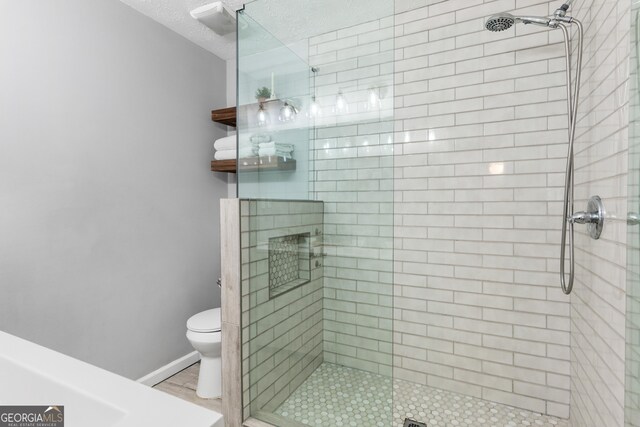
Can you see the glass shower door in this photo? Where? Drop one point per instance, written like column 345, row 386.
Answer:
column 317, row 214
column 632, row 362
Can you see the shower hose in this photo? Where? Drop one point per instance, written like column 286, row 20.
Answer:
column 572, row 110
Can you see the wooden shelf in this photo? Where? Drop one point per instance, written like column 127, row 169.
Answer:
column 254, row 164
column 224, row 166
column 226, row 116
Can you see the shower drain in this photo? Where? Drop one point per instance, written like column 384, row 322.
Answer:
column 408, row 422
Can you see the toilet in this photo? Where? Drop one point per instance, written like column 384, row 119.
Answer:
column 204, row 334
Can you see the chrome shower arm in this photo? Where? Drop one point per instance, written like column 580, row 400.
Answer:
column 561, row 12
column 534, row 20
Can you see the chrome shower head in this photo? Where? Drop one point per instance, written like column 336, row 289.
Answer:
column 504, row 21
column 500, row 22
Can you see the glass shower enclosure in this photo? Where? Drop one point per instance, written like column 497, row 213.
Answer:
column 379, row 118
column 315, row 179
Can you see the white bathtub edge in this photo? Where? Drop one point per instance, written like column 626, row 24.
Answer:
column 169, row 369
column 65, row 379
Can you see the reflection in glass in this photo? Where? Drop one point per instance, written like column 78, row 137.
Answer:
column 288, row 112
column 342, row 106
column 262, row 116
column 317, row 232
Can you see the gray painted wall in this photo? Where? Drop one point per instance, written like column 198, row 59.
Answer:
column 232, row 78
column 108, row 210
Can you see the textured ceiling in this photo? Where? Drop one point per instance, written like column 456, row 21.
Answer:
column 174, row 14
column 294, row 20
column 290, row 21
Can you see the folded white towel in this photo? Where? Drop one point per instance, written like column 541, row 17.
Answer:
column 260, row 138
column 284, row 154
column 265, row 145
column 226, row 143
column 285, row 147
column 246, row 148
column 271, row 152
column 225, row 154
column 265, row 152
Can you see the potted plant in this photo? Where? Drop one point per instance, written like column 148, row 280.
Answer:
column 263, row 94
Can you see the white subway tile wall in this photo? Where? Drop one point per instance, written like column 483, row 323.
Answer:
column 598, row 300
column 353, row 152
column 282, row 335
column 479, row 146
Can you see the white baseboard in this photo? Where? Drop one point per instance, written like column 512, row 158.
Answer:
column 170, row 369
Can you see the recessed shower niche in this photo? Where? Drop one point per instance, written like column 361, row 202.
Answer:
column 282, row 292
column 289, row 262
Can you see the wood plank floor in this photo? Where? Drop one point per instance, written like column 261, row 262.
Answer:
column 183, row 385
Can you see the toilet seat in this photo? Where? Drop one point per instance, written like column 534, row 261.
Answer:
column 206, row 321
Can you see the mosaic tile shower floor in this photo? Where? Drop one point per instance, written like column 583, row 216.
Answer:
column 338, row 396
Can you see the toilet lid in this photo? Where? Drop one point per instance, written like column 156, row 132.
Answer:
column 206, row 321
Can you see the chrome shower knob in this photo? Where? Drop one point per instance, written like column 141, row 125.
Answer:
column 593, row 217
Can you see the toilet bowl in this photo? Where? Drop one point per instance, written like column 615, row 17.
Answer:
column 204, row 334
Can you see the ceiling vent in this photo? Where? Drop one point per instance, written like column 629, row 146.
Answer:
column 217, row 17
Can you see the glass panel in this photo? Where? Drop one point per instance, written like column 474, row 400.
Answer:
column 317, row 273
column 632, row 382
column 273, row 131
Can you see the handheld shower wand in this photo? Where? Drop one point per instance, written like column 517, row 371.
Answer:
column 560, row 20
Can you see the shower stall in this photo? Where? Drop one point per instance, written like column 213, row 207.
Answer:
column 401, row 178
